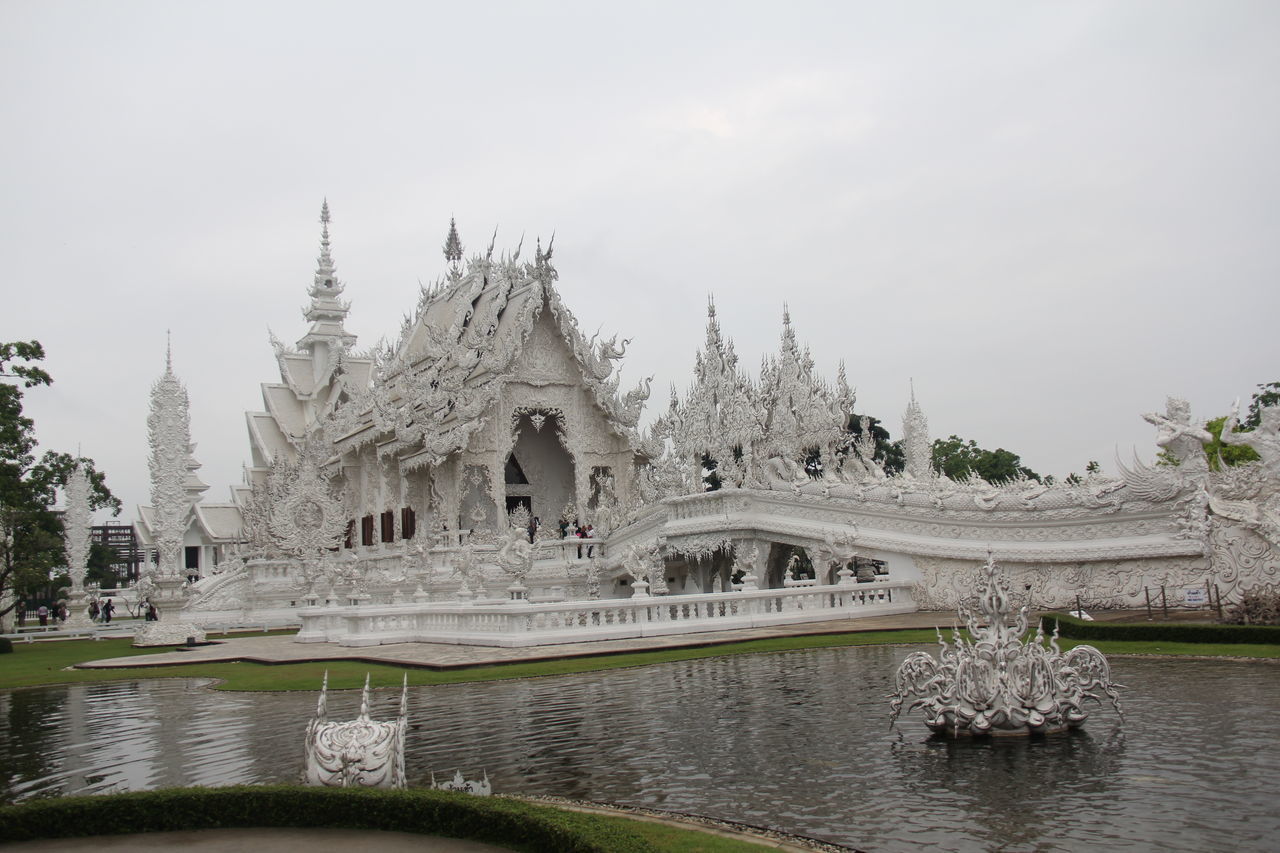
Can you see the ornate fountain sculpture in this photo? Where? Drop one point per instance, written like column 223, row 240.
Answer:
column 358, row 753
column 995, row 684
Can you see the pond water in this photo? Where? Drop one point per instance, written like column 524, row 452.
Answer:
column 796, row 741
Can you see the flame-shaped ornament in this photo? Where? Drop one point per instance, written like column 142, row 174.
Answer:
column 994, row 683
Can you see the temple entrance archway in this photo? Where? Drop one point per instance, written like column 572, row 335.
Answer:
column 539, row 458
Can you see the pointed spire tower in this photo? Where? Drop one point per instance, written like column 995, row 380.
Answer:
column 453, row 250
column 915, row 441
column 169, row 434
column 326, row 311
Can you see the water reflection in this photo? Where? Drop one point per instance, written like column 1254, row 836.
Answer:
column 799, row 741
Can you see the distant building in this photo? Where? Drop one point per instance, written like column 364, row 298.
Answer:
column 122, row 539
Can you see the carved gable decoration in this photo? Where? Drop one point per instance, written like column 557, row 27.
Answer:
column 306, row 517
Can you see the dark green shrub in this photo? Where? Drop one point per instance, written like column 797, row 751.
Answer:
column 6, row 645
column 1077, row 629
column 516, row 824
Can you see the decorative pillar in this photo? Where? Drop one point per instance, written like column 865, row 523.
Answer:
column 77, row 536
column 169, row 433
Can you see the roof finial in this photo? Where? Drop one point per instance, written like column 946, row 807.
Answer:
column 911, row 381
column 452, row 244
column 326, row 260
column 168, row 351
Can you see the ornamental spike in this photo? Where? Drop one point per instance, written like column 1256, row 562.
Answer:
column 322, row 706
column 453, row 244
column 324, row 264
column 364, row 699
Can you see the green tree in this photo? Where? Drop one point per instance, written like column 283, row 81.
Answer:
column 99, row 570
column 888, row 453
column 1221, row 453
column 957, row 459
column 31, row 544
column 1268, row 394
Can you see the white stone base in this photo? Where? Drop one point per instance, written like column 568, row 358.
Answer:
column 166, row 634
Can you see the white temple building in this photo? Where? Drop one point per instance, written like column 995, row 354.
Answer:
column 416, row 490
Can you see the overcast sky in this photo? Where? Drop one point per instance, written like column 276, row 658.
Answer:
column 1051, row 215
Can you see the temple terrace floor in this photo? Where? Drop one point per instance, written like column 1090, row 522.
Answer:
column 283, row 649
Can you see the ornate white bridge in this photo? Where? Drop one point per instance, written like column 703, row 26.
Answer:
column 525, row 624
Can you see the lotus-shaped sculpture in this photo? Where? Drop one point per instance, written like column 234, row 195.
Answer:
column 994, row 683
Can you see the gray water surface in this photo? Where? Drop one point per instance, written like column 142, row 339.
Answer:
column 797, row 741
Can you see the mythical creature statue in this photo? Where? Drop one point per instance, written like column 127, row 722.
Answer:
column 1183, row 440
column 360, row 753
column 995, row 684
column 599, row 359
column 632, row 404
column 516, row 554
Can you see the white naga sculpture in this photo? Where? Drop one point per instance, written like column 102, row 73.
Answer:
column 995, row 684
column 359, row 753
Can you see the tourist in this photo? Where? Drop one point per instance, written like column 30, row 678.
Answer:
column 43, row 613
column 93, row 611
column 22, row 612
column 153, row 615
column 589, row 533
column 108, row 607
column 60, row 609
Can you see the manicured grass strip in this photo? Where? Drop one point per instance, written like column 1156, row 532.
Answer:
column 45, row 663
column 496, row 820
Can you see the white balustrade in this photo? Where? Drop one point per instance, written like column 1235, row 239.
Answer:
column 520, row 623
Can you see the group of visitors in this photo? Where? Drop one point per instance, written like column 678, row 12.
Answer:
column 571, row 530
column 58, row 613
column 100, row 610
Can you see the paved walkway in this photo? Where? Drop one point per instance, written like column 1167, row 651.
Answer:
column 283, row 649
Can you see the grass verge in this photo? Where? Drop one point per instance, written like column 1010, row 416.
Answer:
column 512, row 823
column 37, row 664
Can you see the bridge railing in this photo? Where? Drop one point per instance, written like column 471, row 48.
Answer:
column 525, row 624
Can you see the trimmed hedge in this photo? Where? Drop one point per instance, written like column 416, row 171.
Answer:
column 1169, row 632
column 6, row 646
column 511, row 823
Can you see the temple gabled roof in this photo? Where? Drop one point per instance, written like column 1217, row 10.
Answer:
column 318, row 375
column 461, row 346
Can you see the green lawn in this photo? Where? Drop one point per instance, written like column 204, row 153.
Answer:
column 33, row 664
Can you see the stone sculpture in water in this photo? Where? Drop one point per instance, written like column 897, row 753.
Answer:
column 994, row 683
column 359, row 753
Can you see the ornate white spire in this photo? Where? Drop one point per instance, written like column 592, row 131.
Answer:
column 326, row 311
column 453, row 248
column 76, row 521
column 916, row 447
column 169, row 433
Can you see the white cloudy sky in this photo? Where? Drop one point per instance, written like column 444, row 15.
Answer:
column 1051, row 215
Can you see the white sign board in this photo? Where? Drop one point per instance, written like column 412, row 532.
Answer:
column 1197, row 596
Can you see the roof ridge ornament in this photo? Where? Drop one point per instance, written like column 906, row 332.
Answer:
column 453, row 249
